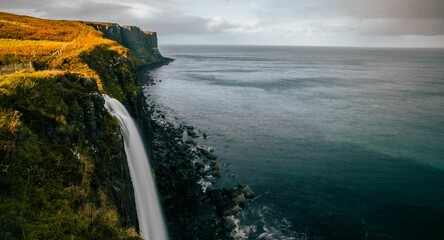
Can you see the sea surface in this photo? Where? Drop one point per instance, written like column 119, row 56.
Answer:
column 337, row 143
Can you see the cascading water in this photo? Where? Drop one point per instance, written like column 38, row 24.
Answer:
column 149, row 214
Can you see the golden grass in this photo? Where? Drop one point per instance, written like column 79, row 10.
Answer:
column 20, row 24
column 26, row 79
column 23, row 27
column 55, row 45
column 28, row 48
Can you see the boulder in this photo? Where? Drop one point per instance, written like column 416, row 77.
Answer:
column 178, row 132
column 239, row 198
column 232, row 211
column 229, row 223
column 191, row 132
column 216, row 173
column 248, row 193
column 211, row 156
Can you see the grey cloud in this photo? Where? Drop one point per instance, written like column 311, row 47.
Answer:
column 368, row 17
column 392, row 8
column 393, row 27
column 169, row 17
column 21, row 4
column 84, row 11
column 166, row 16
column 396, row 17
column 179, row 24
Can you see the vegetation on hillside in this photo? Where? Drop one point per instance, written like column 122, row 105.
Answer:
column 57, row 142
column 52, row 44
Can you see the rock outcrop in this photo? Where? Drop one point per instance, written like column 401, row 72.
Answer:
column 142, row 44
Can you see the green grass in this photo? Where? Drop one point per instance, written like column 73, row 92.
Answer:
column 55, row 177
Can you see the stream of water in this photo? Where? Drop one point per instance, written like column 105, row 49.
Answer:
column 149, row 213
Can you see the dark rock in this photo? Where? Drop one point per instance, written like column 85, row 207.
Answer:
column 241, row 185
column 205, row 212
column 215, row 166
column 229, row 223
column 190, row 213
column 190, row 132
column 232, row 211
column 239, row 198
column 248, row 193
column 178, row 132
column 216, row 173
column 211, row 156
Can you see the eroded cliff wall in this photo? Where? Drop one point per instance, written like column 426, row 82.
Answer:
column 142, row 44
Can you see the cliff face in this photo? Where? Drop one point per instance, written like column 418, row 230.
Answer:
column 63, row 169
column 142, row 44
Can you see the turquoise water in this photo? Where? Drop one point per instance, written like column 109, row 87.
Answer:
column 339, row 143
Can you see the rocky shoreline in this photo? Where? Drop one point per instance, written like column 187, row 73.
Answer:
column 184, row 173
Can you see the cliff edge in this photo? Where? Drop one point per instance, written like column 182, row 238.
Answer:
column 143, row 44
column 63, row 169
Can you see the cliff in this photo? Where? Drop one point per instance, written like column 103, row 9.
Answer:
column 63, row 169
column 143, row 44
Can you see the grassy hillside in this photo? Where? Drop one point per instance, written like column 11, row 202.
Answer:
column 51, row 44
column 61, row 154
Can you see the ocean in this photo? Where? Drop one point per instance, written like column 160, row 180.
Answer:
column 337, row 143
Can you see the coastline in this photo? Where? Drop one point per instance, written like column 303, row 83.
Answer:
column 193, row 209
column 53, row 122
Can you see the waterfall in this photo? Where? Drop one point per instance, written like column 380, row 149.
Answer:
column 149, row 214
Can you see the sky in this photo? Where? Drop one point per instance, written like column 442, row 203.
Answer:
column 359, row 23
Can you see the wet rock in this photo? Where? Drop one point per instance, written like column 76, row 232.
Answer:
column 190, row 212
column 211, row 156
column 216, row 173
column 178, row 132
column 214, row 166
column 205, row 150
column 229, row 223
column 239, row 198
column 241, row 185
column 248, row 193
column 232, row 211
column 191, row 132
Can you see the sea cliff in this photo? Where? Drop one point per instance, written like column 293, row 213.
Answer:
column 143, row 44
column 63, row 169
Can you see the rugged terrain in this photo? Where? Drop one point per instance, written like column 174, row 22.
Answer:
column 63, row 170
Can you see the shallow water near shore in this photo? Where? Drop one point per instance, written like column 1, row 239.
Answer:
column 338, row 143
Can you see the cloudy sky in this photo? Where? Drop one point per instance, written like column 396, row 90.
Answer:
column 372, row 23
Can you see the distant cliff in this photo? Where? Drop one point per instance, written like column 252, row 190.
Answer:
column 142, row 44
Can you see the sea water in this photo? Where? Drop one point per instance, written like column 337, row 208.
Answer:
column 338, row 143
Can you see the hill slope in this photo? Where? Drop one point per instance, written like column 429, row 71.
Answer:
column 63, row 171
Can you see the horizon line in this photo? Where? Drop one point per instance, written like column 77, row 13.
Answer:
column 307, row 46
